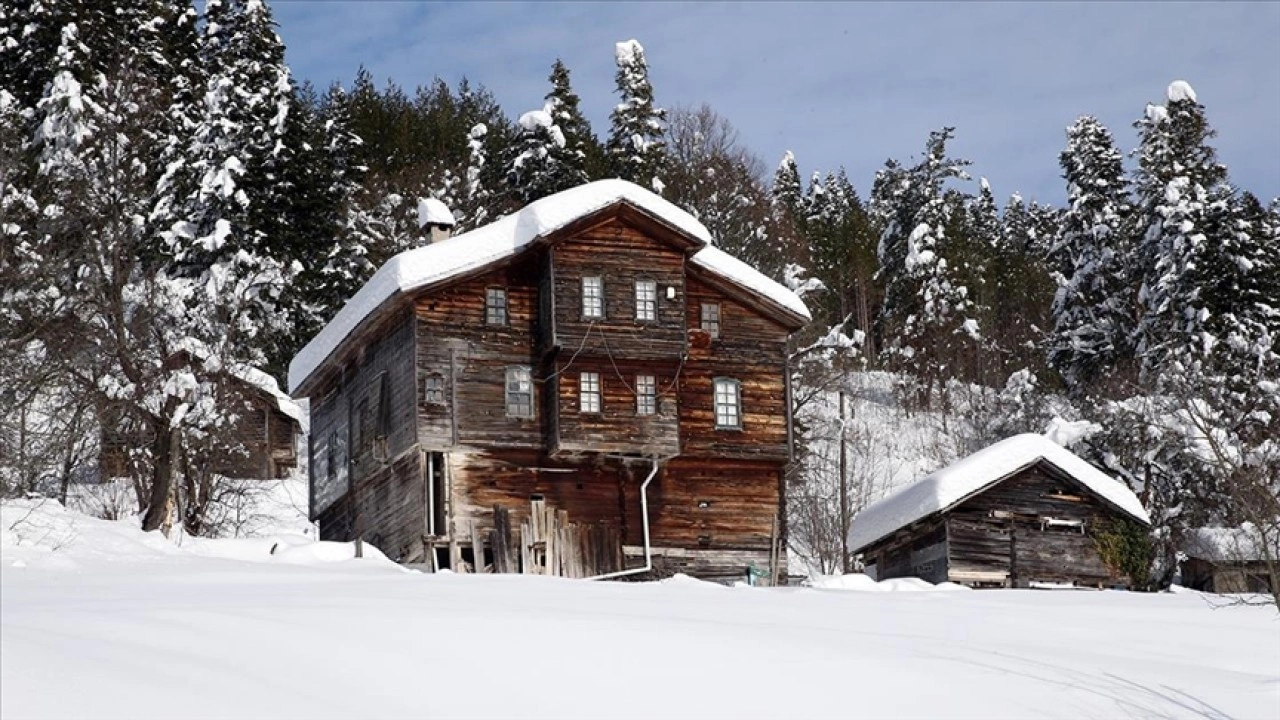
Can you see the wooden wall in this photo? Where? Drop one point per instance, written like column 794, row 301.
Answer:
column 751, row 349
column 1006, row 521
column 621, row 255
column 473, row 357
column 349, row 409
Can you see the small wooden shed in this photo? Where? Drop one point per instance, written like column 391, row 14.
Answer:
column 268, row 427
column 1023, row 511
column 1229, row 560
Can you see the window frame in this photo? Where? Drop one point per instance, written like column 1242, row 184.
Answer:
column 522, row 374
column 427, row 390
column 706, row 323
column 495, row 302
column 598, row 298
column 646, row 395
column 736, row 403
column 595, row 393
column 649, row 304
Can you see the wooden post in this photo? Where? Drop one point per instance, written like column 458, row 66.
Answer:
column 844, row 493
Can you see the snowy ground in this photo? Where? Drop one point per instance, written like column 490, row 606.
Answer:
column 99, row 620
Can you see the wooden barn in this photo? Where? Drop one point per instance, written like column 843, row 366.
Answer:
column 1023, row 511
column 1230, row 560
column 269, row 426
column 583, row 388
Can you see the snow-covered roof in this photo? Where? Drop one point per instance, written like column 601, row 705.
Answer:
column 268, row 385
column 505, row 237
column 1240, row 544
column 955, row 483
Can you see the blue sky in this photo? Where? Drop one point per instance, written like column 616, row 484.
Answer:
column 846, row 84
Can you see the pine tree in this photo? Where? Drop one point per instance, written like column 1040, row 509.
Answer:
column 1182, row 209
column 788, row 192
column 535, row 168
column 582, row 158
column 925, row 319
column 1093, row 310
column 637, row 136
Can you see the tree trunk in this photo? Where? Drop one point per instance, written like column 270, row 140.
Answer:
column 162, row 476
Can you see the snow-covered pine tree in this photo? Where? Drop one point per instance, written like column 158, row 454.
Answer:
column 320, row 181
column 925, row 319
column 842, row 248
column 535, row 170
column 637, row 135
column 1182, row 201
column 788, row 192
column 582, row 158
column 1093, row 311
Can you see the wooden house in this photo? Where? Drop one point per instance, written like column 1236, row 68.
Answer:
column 267, row 430
column 1023, row 511
column 1230, row 560
column 585, row 387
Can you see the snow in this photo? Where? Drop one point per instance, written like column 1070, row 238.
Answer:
column 268, row 384
column 957, row 482
column 420, row 267
column 1180, row 90
column 433, row 212
column 115, row 623
column 535, row 119
column 624, row 53
column 1069, row 432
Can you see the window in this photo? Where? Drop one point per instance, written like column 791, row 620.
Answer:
column 495, row 306
column 646, row 395
column 519, row 392
column 433, row 393
column 592, row 297
column 382, row 417
column 728, row 398
column 646, row 300
column 589, row 392
column 711, row 318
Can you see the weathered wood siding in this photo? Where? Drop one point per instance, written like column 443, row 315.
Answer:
column 918, row 551
column 455, row 342
column 617, row 428
column 1004, row 530
column 620, row 255
column 751, row 349
column 368, row 420
column 386, row 508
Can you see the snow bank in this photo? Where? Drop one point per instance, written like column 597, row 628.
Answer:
column 865, row 583
column 953, row 484
column 424, row 266
column 147, row 631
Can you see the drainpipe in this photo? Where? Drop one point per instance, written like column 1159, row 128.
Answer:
column 644, row 520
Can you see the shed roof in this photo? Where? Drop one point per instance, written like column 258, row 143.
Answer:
column 965, row 478
column 507, row 236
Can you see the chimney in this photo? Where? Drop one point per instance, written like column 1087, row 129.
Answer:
column 435, row 219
